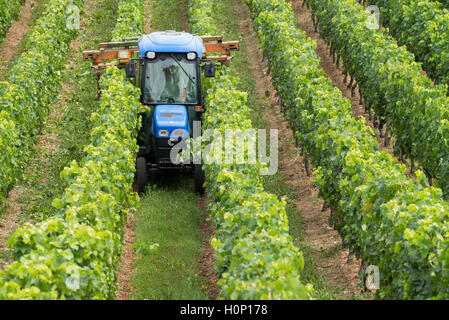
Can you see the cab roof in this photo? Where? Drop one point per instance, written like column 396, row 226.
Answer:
column 170, row 42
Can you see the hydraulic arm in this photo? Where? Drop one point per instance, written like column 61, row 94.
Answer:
column 120, row 53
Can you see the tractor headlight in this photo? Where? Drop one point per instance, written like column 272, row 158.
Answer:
column 151, row 55
column 163, row 133
column 191, row 56
column 178, row 133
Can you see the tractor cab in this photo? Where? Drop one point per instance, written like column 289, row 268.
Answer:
column 170, row 82
column 171, row 68
column 167, row 67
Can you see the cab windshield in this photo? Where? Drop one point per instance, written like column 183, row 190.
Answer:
column 170, row 79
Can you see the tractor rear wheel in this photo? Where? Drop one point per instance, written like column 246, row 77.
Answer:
column 199, row 177
column 141, row 174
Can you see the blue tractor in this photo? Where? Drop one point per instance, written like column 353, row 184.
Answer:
column 167, row 67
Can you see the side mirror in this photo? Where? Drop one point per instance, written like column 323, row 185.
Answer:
column 209, row 70
column 131, row 69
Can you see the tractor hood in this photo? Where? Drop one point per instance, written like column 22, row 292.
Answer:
column 170, row 42
column 170, row 118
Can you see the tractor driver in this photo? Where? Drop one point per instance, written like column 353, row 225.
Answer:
column 174, row 86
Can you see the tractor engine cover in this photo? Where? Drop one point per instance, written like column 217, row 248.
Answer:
column 170, row 121
column 171, row 125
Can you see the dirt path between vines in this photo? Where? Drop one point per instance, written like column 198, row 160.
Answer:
column 185, row 16
column 147, row 27
column 207, row 260
column 15, row 34
column 126, row 260
column 324, row 242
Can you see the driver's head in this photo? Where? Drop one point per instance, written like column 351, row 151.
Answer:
column 168, row 72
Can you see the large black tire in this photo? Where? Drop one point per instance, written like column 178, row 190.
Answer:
column 199, row 177
column 141, row 174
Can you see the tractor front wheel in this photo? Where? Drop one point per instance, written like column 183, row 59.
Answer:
column 199, row 177
column 141, row 174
